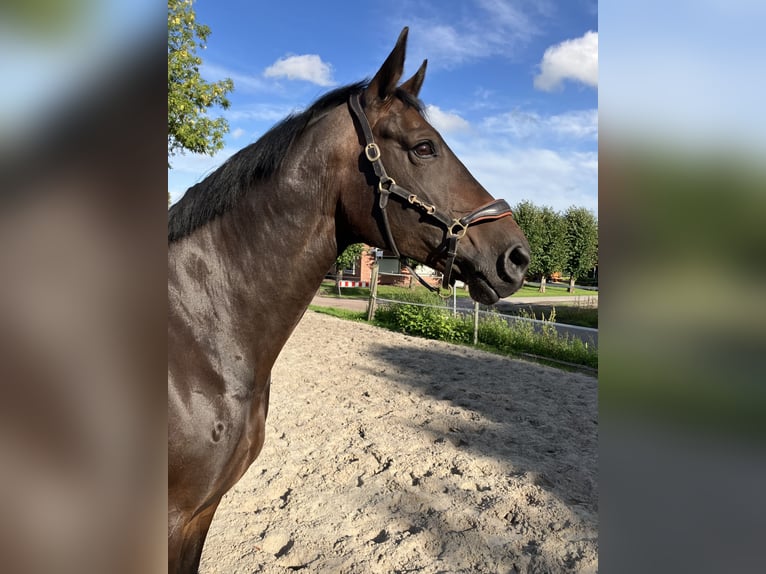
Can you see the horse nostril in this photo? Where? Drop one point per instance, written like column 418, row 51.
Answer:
column 512, row 265
column 519, row 257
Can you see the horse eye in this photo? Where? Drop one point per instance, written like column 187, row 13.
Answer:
column 424, row 149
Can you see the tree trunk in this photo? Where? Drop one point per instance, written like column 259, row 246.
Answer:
column 542, row 284
column 571, row 283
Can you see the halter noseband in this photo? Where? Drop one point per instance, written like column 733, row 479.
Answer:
column 455, row 228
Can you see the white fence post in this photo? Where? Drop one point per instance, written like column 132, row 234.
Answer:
column 373, row 292
column 475, row 322
column 454, row 301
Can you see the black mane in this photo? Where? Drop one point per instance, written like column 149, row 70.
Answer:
column 221, row 190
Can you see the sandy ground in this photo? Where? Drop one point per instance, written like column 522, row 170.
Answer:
column 386, row 453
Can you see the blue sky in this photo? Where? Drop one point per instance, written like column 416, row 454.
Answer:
column 512, row 85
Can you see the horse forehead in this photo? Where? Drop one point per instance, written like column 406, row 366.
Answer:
column 416, row 123
column 411, row 118
column 406, row 119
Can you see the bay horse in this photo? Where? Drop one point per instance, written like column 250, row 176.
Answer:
column 249, row 246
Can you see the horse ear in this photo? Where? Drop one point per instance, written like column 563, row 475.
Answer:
column 384, row 82
column 413, row 85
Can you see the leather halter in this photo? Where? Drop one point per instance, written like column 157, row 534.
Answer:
column 455, row 228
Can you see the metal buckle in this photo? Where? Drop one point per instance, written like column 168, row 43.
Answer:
column 427, row 207
column 385, row 184
column 372, row 151
column 459, row 234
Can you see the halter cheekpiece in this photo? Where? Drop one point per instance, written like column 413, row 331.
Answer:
column 455, row 228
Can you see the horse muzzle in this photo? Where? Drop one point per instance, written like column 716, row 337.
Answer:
column 512, row 266
column 491, row 278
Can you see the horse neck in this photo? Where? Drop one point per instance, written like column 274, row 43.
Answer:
column 252, row 272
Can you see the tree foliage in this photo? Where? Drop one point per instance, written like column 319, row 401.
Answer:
column 346, row 260
column 582, row 242
column 349, row 256
column 554, row 246
column 558, row 243
column 189, row 96
column 527, row 216
column 546, row 234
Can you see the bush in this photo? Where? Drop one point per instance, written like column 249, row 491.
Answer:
column 424, row 321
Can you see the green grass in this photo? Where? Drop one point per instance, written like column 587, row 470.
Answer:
column 551, row 290
column 340, row 313
column 384, row 291
column 566, row 314
column 581, row 316
column 330, row 290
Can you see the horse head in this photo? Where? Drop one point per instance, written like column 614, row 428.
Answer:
column 434, row 199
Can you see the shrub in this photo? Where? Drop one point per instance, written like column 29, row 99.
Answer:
column 429, row 322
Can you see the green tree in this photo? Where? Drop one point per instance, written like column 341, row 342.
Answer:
column 346, row 260
column 582, row 243
column 527, row 215
column 189, row 96
column 545, row 232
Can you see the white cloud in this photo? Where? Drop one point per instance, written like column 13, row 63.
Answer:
column 449, row 46
column 258, row 111
column 570, row 60
column 446, row 122
column 307, row 67
column 237, row 133
column 576, row 124
column 581, row 124
column 541, row 173
column 506, row 14
column 242, row 82
column 543, row 176
column 486, row 28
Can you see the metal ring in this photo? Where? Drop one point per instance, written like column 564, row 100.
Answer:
column 459, row 234
column 449, row 292
column 385, row 184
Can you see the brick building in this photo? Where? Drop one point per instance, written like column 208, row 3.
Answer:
column 390, row 270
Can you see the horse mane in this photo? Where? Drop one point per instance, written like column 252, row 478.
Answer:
column 221, row 190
